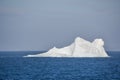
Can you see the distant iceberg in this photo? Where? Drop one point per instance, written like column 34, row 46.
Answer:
column 79, row 48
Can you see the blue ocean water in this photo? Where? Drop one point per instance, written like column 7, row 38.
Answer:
column 15, row 67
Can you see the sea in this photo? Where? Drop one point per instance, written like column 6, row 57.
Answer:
column 13, row 66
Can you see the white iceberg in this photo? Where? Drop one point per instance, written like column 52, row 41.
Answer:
column 79, row 48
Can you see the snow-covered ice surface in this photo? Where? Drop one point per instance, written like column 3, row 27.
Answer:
column 79, row 48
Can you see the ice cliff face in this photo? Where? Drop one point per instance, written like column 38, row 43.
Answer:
column 79, row 48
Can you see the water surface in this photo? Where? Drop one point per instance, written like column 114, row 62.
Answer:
column 15, row 67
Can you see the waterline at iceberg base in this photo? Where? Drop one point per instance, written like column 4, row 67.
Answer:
column 79, row 48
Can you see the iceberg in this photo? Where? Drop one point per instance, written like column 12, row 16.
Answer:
column 79, row 48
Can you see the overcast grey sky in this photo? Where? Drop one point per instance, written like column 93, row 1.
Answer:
column 42, row 24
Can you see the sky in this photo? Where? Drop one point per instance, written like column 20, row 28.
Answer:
column 31, row 25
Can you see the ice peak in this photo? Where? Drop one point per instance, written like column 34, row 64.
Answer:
column 99, row 42
column 79, row 39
